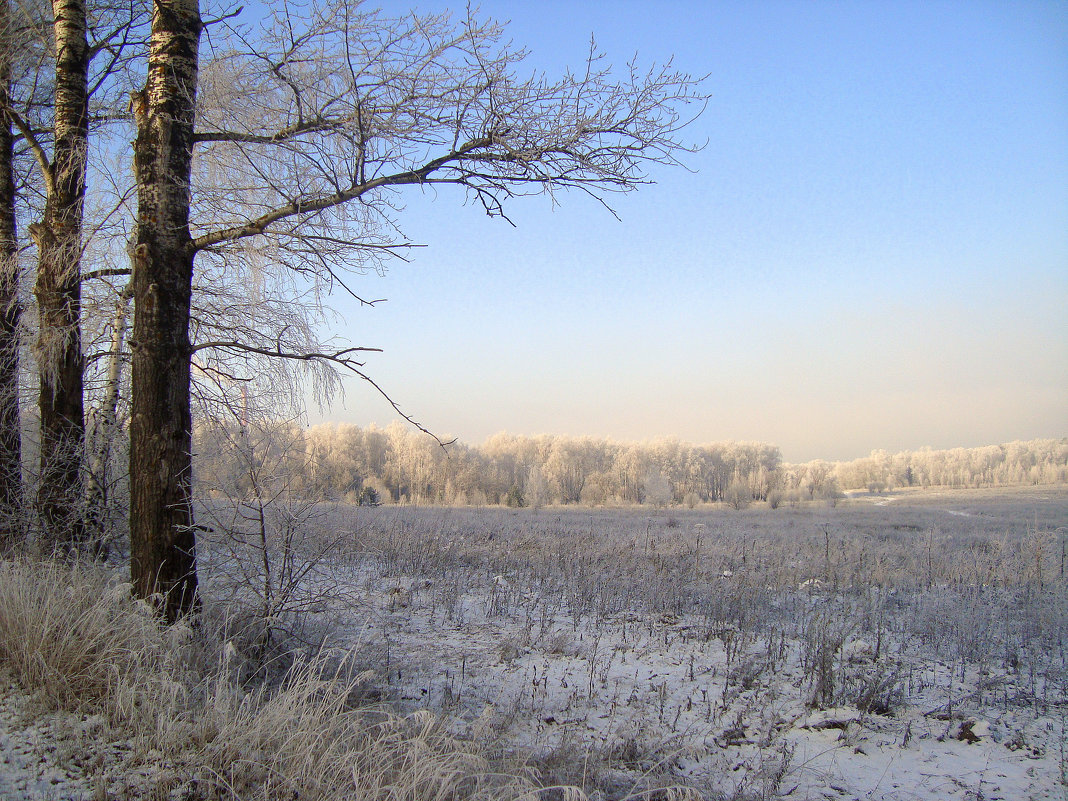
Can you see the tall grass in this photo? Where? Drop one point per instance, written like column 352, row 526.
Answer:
column 73, row 635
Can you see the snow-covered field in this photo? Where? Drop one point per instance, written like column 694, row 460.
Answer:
column 64, row 756
column 904, row 646
column 32, row 762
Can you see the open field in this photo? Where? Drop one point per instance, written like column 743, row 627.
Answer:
column 901, row 646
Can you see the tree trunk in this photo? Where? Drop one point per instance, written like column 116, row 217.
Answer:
column 103, row 423
column 163, row 546
column 58, row 288
column 11, row 516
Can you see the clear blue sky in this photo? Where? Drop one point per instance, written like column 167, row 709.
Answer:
column 871, row 251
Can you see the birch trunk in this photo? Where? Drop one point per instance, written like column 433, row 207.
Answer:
column 58, row 288
column 163, row 547
column 105, row 429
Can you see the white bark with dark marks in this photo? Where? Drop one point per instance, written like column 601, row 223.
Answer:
column 58, row 289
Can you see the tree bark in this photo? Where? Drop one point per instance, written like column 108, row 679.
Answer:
column 11, row 516
column 58, row 288
column 163, row 545
column 103, row 423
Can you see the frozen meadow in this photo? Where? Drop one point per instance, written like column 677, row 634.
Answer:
column 896, row 646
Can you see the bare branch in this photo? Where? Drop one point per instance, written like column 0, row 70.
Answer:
column 39, row 154
column 368, row 104
column 303, row 128
column 338, row 357
column 105, row 272
column 302, row 207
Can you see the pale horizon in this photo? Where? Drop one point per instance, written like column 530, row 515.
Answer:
column 870, row 253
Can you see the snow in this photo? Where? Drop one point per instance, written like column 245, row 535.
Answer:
column 660, row 690
column 723, row 708
column 70, row 756
column 33, row 763
column 663, row 694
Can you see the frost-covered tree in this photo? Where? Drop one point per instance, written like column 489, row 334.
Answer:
column 12, row 47
column 333, row 110
column 657, row 489
column 64, row 67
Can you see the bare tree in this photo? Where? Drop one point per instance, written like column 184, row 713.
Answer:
column 89, row 45
column 10, row 306
column 162, row 541
column 318, row 120
column 104, row 432
column 58, row 237
column 26, row 90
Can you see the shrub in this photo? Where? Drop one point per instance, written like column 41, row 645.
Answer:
column 514, row 498
column 738, row 493
column 368, row 497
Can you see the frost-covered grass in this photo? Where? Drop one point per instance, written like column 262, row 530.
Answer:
column 904, row 646
column 68, row 632
column 184, row 725
column 908, row 645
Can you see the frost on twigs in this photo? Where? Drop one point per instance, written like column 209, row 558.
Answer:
column 316, row 123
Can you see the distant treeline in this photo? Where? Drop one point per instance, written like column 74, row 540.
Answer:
column 1037, row 461
column 399, row 465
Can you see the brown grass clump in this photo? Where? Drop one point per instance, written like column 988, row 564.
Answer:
column 307, row 739
column 75, row 637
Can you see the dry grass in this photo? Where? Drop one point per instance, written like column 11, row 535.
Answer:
column 308, row 740
column 72, row 634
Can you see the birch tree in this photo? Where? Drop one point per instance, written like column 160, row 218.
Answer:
column 88, row 47
column 319, row 120
column 58, row 237
column 25, row 106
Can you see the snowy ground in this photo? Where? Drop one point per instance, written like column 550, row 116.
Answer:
column 69, row 756
column 33, row 765
column 657, row 698
column 898, row 647
column 694, row 647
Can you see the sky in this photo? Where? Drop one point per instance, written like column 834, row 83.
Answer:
column 870, row 251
